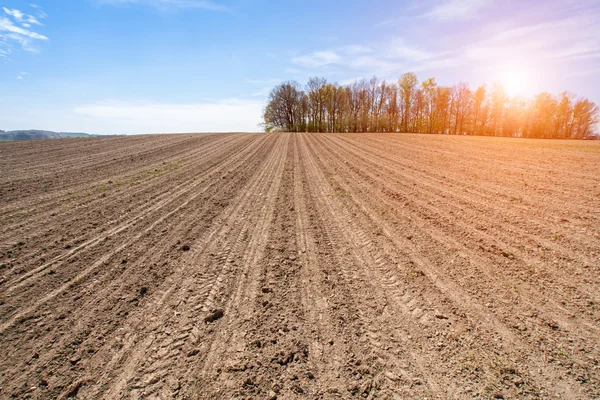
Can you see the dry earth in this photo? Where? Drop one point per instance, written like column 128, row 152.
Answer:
column 300, row 266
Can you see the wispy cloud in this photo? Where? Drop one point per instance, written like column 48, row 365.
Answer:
column 15, row 31
column 444, row 10
column 16, row 14
column 452, row 10
column 172, row 4
column 382, row 58
column 318, row 59
column 404, row 51
column 554, row 35
column 25, row 19
column 22, row 75
column 593, row 71
column 568, row 37
column 7, row 26
column 31, row 20
column 39, row 11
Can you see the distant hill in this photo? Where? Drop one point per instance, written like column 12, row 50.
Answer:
column 34, row 134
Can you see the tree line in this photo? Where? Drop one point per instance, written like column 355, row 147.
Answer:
column 409, row 106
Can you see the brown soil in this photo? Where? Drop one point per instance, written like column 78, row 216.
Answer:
column 300, row 266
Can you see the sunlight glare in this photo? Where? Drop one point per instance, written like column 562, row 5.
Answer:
column 515, row 80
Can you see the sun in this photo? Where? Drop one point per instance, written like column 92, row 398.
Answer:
column 515, row 80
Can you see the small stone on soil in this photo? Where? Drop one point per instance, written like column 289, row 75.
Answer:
column 215, row 315
column 193, row 352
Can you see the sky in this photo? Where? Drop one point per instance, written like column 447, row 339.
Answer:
column 160, row 66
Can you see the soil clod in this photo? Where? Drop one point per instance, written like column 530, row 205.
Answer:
column 214, row 316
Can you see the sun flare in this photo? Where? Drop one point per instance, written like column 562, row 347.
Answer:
column 515, row 80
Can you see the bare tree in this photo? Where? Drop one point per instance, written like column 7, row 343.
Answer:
column 585, row 118
column 460, row 107
column 407, row 84
column 374, row 105
column 284, row 110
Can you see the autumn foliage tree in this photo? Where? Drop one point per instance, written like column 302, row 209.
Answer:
column 407, row 106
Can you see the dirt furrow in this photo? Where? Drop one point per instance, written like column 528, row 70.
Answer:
column 157, row 262
column 444, row 277
column 458, row 194
column 115, row 227
column 393, row 361
column 237, row 297
column 136, row 185
column 400, row 196
column 191, row 290
column 297, row 265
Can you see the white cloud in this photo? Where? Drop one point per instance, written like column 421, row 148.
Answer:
column 11, row 33
column 16, row 14
column 376, row 60
column 317, row 59
column 172, row 4
column 566, row 38
column 379, row 59
column 22, row 75
column 593, row 71
column 450, row 10
column 32, row 21
column 407, row 52
column 566, row 35
column 7, row 26
column 40, row 15
column 227, row 115
column 374, row 64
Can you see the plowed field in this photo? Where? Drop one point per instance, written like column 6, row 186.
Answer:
column 300, row 266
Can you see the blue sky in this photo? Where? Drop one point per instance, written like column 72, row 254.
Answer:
column 142, row 66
